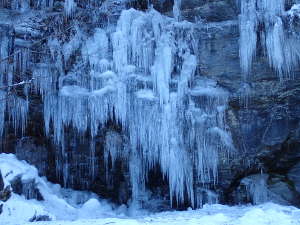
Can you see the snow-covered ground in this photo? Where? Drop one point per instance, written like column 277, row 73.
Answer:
column 68, row 207
column 266, row 214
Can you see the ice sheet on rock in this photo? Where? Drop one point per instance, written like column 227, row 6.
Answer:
column 146, row 94
column 100, row 80
column 95, row 50
column 257, row 188
column 208, row 88
column 74, row 44
column 73, row 91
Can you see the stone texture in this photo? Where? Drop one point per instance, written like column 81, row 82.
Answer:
column 27, row 188
column 1, row 182
column 5, row 194
column 214, row 11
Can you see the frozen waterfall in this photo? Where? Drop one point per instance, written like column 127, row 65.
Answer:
column 141, row 76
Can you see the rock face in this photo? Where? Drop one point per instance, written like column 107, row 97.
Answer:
column 1, row 182
column 5, row 192
column 210, row 11
column 263, row 114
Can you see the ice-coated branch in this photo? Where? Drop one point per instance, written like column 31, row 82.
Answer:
column 17, row 84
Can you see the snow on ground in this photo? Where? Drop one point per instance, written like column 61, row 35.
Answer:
column 58, row 204
column 68, row 207
column 266, row 214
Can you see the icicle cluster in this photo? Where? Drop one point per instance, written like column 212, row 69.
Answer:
column 141, row 77
column 13, row 64
column 176, row 9
column 262, row 22
column 144, row 84
column 23, row 5
column 69, row 7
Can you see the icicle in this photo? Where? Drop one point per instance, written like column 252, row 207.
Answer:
column 207, row 129
column 4, row 53
column 72, row 101
column 113, row 147
column 43, row 79
column 69, row 7
column 274, row 43
column 161, row 71
column 174, row 158
column 18, row 112
column 187, row 73
column 248, row 38
column 69, row 108
column 176, row 9
column 21, row 5
column 101, row 106
column 42, row 4
column 132, row 42
column 92, row 161
column 277, row 41
column 2, row 111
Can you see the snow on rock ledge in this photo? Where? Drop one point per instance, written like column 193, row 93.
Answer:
column 58, row 203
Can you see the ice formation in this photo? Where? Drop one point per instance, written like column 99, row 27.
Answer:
column 15, row 63
column 69, row 6
column 265, row 23
column 256, row 186
column 23, row 5
column 176, row 9
column 143, row 78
